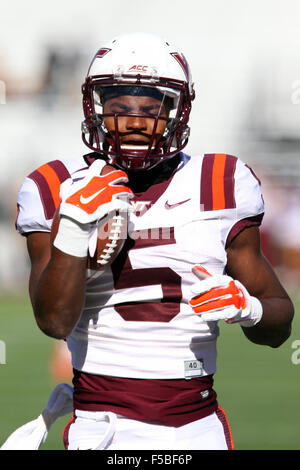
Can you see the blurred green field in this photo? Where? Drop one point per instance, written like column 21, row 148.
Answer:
column 257, row 386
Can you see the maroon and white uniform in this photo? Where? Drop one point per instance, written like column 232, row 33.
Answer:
column 138, row 349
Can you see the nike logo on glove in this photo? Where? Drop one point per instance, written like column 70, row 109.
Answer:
column 86, row 200
column 171, row 206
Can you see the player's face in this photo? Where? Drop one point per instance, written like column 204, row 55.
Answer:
column 136, row 130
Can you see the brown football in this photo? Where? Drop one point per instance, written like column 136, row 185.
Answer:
column 112, row 233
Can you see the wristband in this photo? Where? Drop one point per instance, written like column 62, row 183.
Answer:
column 72, row 237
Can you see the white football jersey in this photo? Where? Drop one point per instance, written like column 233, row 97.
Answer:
column 137, row 322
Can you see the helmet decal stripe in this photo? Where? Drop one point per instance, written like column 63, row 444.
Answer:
column 99, row 54
column 102, row 52
column 182, row 61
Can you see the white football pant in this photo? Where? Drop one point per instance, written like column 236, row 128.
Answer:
column 106, row 430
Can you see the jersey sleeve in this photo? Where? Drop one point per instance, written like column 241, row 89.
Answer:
column 249, row 203
column 31, row 214
column 39, row 198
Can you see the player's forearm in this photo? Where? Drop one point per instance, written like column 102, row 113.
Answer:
column 58, row 295
column 275, row 326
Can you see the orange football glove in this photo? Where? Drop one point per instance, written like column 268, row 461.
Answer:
column 219, row 297
column 85, row 202
column 94, row 196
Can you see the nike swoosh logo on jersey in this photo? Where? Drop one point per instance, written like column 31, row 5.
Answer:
column 86, row 200
column 171, row 206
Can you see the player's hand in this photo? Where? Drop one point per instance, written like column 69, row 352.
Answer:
column 219, row 297
column 85, row 202
column 94, row 196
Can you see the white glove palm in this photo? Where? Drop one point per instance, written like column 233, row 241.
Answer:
column 219, row 297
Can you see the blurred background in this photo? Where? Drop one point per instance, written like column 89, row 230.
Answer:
column 245, row 61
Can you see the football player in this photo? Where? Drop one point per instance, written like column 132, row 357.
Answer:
column 143, row 333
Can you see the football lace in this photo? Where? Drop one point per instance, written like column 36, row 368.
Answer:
column 114, row 237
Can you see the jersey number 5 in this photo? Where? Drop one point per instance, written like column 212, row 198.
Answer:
column 163, row 309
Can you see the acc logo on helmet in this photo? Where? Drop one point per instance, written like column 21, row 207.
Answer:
column 138, row 68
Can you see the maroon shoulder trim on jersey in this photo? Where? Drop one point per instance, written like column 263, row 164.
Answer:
column 172, row 402
column 230, row 166
column 253, row 174
column 60, row 169
column 17, row 215
column 217, row 182
column 45, row 194
column 206, row 199
column 242, row 224
column 48, row 179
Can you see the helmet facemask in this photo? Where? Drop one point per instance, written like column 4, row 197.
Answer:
column 168, row 119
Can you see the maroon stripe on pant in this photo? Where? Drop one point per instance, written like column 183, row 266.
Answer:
column 227, row 431
column 66, row 432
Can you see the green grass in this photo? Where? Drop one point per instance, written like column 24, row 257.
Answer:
column 257, row 386
column 25, row 382
column 259, row 389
